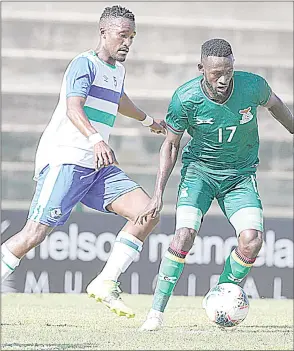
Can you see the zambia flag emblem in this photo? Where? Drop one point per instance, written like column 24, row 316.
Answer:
column 246, row 115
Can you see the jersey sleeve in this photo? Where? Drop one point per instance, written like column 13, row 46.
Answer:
column 263, row 90
column 176, row 118
column 80, row 77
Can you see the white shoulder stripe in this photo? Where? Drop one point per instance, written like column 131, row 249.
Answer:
column 102, row 105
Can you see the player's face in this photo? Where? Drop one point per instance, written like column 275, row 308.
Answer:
column 118, row 37
column 218, row 73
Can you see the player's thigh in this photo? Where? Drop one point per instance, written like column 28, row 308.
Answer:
column 59, row 189
column 242, row 205
column 115, row 192
column 195, row 196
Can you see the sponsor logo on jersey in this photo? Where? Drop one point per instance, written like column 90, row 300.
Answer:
column 115, row 81
column 246, row 115
column 205, row 121
column 105, row 78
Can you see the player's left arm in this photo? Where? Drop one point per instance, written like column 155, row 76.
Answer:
column 280, row 112
column 129, row 109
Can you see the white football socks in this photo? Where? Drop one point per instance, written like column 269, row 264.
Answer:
column 125, row 250
column 8, row 262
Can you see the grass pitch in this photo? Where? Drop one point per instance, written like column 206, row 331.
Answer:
column 75, row 322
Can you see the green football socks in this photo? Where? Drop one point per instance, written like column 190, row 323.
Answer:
column 237, row 266
column 170, row 271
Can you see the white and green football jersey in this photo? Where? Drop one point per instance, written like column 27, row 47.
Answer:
column 102, row 86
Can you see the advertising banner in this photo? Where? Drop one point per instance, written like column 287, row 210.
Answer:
column 73, row 254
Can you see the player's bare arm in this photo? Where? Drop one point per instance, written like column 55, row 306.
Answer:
column 168, row 156
column 280, row 112
column 104, row 155
column 129, row 109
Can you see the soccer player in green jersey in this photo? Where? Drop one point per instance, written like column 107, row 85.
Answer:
column 218, row 110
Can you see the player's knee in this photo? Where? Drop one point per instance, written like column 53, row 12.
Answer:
column 34, row 233
column 184, row 238
column 250, row 242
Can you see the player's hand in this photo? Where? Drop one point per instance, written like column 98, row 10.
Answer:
column 158, row 127
column 104, row 155
column 152, row 209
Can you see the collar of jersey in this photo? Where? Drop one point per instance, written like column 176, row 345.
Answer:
column 228, row 98
column 92, row 52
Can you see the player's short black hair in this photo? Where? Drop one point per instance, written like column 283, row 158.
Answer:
column 116, row 11
column 216, row 47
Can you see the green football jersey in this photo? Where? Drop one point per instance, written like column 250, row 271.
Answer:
column 224, row 137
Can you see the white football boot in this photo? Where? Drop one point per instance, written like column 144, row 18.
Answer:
column 153, row 321
column 108, row 292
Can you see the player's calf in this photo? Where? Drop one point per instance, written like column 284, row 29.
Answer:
column 20, row 244
column 104, row 287
column 242, row 258
column 170, row 270
column 172, row 266
column 250, row 242
column 126, row 249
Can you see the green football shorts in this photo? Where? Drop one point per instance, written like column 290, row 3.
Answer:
column 237, row 196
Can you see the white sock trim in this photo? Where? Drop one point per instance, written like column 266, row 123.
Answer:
column 126, row 250
column 125, row 237
column 8, row 257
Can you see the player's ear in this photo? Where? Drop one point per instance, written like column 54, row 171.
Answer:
column 200, row 67
column 102, row 32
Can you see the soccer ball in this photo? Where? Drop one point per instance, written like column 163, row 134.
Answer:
column 227, row 305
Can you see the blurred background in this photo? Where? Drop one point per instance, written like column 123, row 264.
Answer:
column 39, row 40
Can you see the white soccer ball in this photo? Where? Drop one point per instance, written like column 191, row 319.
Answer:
column 227, row 305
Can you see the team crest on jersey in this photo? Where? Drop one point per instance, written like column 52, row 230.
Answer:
column 246, row 115
column 55, row 213
column 114, row 81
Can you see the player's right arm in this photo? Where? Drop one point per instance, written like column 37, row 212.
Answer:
column 280, row 112
column 277, row 108
column 79, row 79
column 103, row 154
column 177, row 121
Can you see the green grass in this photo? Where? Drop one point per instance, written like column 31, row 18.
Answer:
column 75, row 322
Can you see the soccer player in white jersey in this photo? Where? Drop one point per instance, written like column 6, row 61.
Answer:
column 74, row 162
